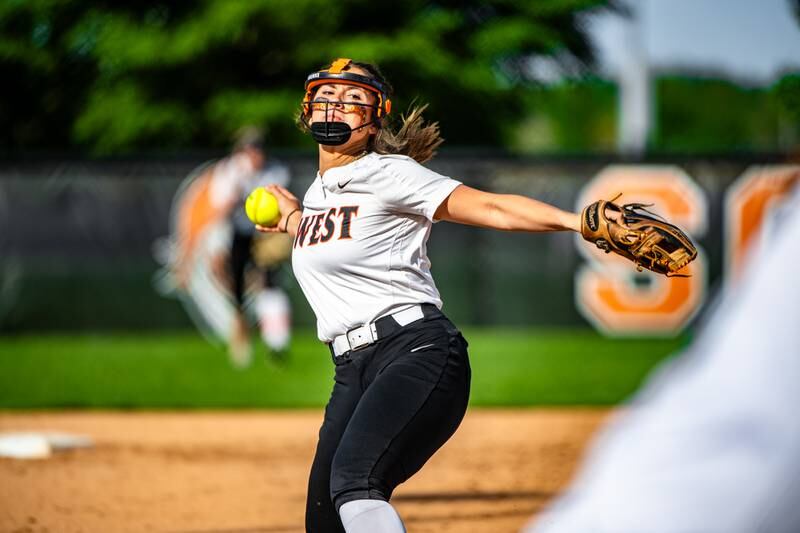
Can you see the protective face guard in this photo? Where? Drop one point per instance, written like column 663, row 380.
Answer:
column 335, row 73
column 331, row 133
column 328, row 106
column 336, row 133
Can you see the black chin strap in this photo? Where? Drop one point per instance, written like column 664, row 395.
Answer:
column 333, row 133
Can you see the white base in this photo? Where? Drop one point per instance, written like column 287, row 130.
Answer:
column 31, row 445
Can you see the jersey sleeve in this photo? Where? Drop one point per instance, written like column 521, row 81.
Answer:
column 405, row 186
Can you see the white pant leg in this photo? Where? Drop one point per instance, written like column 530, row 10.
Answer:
column 370, row 516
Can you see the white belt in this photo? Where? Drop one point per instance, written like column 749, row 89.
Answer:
column 362, row 336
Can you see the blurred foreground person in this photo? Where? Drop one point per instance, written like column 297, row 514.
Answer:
column 226, row 273
column 712, row 443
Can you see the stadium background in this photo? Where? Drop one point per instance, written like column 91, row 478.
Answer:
column 109, row 108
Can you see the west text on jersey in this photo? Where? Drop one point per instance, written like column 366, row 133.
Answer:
column 322, row 227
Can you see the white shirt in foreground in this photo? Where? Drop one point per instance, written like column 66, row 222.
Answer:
column 712, row 444
column 360, row 251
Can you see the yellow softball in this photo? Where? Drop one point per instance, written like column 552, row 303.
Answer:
column 262, row 207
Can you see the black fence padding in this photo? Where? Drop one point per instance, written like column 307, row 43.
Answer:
column 76, row 241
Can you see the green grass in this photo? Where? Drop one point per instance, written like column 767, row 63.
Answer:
column 181, row 370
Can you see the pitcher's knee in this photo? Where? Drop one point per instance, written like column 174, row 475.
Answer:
column 356, row 477
column 342, row 498
column 348, row 484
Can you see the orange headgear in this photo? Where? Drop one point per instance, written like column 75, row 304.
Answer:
column 336, row 73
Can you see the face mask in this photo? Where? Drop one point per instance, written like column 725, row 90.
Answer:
column 336, row 133
column 333, row 133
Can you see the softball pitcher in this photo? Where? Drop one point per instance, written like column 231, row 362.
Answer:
column 402, row 371
column 359, row 254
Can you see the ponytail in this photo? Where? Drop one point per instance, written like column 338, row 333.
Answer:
column 415, row 138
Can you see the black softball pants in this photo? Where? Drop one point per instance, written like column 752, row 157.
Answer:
column 393, row 405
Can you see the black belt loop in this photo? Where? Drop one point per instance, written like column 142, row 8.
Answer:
column 340, row 360
column 431, row 311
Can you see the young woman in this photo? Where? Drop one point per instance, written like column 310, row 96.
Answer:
column 402, row 371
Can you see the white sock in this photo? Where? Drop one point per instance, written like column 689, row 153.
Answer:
column 274, row 316
column 370, row 516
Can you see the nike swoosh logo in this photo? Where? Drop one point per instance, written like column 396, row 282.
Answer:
column 418, row 348
column 343, row 185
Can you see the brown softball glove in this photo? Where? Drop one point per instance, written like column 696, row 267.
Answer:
column 639, row 235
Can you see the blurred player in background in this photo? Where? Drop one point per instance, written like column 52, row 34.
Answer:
column 226, row 273
column 712, row 443
column 233, row 178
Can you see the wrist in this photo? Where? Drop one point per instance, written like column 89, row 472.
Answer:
column 575, row 222
column 289, row 218
column 571, row 221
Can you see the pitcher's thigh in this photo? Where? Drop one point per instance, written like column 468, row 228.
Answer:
column 411, row 409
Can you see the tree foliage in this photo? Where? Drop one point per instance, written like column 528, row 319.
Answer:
column 112, row 77
column 697, row 114
column 572, row 116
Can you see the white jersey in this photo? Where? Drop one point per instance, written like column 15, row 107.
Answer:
column 712, row 444
column 360, row 250
column 235, row 177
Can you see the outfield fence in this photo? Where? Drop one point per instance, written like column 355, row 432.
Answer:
column 78, row 240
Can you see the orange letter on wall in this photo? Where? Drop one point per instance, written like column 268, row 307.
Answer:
column 746, row 203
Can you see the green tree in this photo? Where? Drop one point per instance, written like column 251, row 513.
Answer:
column 573, row 115
column 699, row 114
column 786, row 95
column 112, row 77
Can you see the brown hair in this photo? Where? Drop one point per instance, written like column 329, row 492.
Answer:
column 414, row 137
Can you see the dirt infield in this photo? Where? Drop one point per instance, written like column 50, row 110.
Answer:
column 245, row 472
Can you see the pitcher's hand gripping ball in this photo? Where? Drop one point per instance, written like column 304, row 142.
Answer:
column 262, row 208
column 639, row 235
